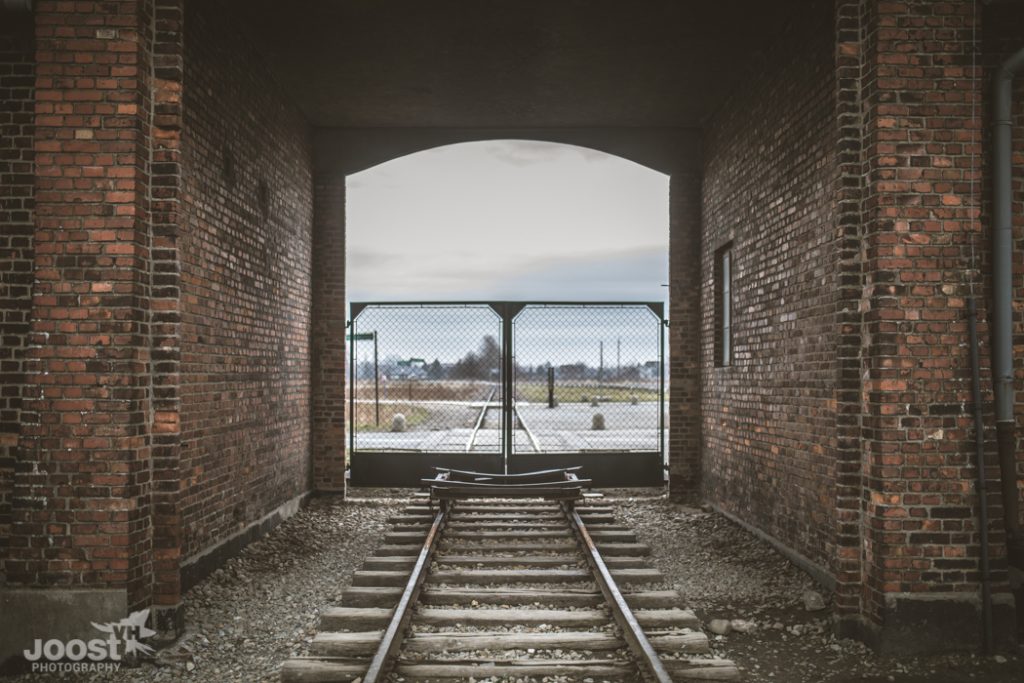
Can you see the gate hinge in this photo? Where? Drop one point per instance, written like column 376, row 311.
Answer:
column 665, row 323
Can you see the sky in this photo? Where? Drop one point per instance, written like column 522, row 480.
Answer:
column 558, row 335
column 507, row 220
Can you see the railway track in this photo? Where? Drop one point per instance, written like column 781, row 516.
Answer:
column 482, row 418
column 509, row 589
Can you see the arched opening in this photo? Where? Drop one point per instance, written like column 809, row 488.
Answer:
column 508, row 300
column 507, row 219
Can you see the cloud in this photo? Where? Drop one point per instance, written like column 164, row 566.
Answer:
column 371, row 258
column 629, row 275
column 530, row 152
column 513, row 219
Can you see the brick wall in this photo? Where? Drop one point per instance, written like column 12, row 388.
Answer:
column 17, row 83
column 81, row 504
column 245, row 287
column 769, row 419
column 684, row 418
column 922, row 148
column 328, row 335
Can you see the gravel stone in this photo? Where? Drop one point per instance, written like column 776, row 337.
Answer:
column 813, row 602
column 742, row 625
column 262, row 607
column 722, row 571
column 720, row 627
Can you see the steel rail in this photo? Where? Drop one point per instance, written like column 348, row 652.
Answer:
column 529, row 434
column 480, row 421
column 469, row 475
column 635, row 637
column 566, row 487
column 484, row 486
column 450, row 493
column 383, row 659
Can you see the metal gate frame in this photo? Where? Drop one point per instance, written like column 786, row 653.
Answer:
column 605, row 468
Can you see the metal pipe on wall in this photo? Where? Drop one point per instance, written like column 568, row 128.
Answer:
column 1002, row 312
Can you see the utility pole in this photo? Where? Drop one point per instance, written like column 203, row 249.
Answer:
column 600, row 371
column 551, row 386
column 618, row 358
column 376, row 379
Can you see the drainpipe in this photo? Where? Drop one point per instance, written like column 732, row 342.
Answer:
column 1002, row 314
column 16, row 5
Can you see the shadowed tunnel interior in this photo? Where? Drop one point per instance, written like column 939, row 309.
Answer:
column 173, row 253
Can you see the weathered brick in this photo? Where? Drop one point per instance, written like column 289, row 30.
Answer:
column 245, row 288
column 17, row 203
column 850, row 188
column 69, row 424
column 769, row 419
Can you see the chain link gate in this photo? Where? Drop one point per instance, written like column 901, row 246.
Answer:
column 506, row 387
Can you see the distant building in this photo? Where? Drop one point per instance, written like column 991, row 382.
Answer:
column 414, row 368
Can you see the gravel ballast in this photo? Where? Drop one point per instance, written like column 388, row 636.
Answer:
column 262, row 607
column 774, row 630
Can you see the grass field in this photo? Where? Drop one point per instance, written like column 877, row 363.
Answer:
column 427, row 390
column 459, row 401
column 537, row 392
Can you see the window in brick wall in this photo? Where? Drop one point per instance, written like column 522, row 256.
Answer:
column 723, row 306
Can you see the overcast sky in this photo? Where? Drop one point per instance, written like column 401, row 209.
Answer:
column 507, row 219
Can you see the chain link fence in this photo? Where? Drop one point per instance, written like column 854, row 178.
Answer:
column 588, row 377
column 433, row 378
column 426, row 378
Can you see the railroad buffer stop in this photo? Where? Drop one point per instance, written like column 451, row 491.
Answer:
column 844, row 303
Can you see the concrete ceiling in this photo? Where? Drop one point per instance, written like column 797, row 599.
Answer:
column 510, row 63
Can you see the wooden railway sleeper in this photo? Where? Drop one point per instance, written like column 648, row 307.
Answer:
column 374, row 622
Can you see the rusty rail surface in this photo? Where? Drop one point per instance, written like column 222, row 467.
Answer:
column 624, row 617
column 384, row 658
column 529, row 432
column 468, row 475
column 559, row 484
column 342, row 651
column 480, row 420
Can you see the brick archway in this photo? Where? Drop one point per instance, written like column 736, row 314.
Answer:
column 169, row 178
column 675, row 152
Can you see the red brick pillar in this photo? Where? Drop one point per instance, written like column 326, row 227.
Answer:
column 17, row 80
column 684, row 333
column 849, row 191
column 168, row 69
column 82, row 517
column 921, row 149
column 329, row 349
